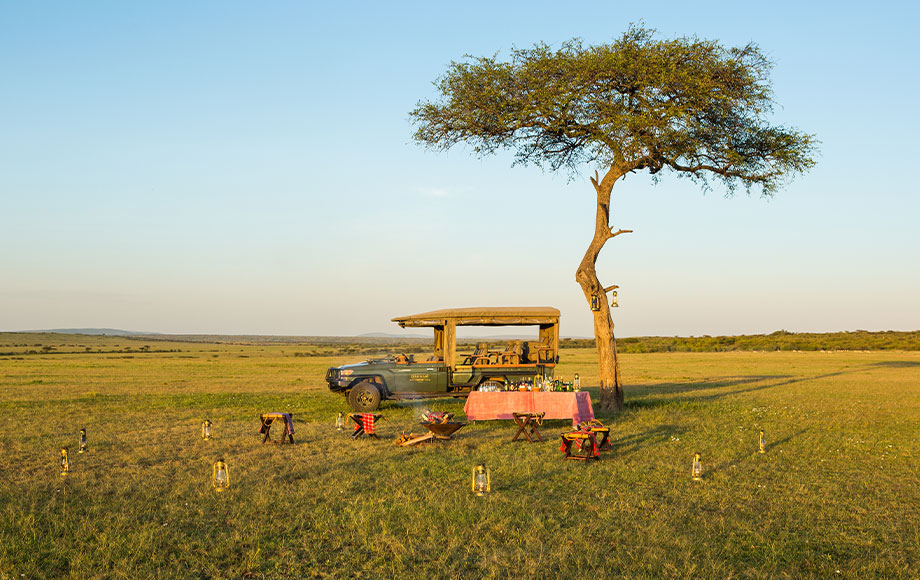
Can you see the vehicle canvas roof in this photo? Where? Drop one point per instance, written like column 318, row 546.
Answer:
column 483, row 316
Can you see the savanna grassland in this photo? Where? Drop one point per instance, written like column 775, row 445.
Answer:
column 837, row 495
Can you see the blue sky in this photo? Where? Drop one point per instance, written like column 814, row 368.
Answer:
column 243, row 167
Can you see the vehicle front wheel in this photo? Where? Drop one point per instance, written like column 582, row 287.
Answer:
column 364, row 397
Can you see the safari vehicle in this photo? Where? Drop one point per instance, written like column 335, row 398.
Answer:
column 445, row 372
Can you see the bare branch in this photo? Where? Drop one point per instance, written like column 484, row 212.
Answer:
column 613, row 234
column 595, row 181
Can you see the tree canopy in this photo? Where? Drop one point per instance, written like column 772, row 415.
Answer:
column 686, row 105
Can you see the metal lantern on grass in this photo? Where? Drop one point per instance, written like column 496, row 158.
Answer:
column 482, row 480
column 83, row 440
column 697, row 467
column 65, row 462
column 576, row 383
column 763, row 442
column 340, row 422
column 206, row 430
column 220, row 476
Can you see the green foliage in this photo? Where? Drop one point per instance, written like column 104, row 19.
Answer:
column 686, row 105
column 779, row 340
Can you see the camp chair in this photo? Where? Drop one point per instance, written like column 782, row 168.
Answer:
column 365, row 423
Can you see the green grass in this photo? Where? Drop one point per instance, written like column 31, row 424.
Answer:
column 838, row 489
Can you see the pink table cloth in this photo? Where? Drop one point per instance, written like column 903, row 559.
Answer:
column 486, row 406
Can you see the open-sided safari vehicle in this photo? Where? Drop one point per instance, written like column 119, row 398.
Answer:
column 446, row 372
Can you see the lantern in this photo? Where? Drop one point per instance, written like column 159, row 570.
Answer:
column 763, row 442
column 697, row 467
column 220, row 476
column 65, row 462
column 613, row 299
column 595, row 302
column 206, row 430
column 340, row 422
column 482, row 480
column 576, row 383
column 83, row 440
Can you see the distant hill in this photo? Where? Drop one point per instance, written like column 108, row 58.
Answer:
column 388, row 335
column 92, row 331
column 531, row 336
column 779, row 340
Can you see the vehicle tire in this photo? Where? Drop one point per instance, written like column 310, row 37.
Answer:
column 364, row 397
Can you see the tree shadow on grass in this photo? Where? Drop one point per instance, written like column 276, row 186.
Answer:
column 632, row 443
column 725, row 383
column 700, row 385
column 897, row 364
column 748, row 456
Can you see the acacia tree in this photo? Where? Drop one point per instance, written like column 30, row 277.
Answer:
column 687, row 106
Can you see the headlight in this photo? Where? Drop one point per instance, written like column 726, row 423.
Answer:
column 346, row 372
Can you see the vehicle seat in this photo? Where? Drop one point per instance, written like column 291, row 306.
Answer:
column 480, row 356
column 541, row 352
column 513, row 353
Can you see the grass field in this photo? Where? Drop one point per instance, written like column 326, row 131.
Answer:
column 837, row 495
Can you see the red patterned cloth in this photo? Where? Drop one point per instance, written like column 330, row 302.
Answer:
column 436, row 417
column 368, row 420
column 581, row 443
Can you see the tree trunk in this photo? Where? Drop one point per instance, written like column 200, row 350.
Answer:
column 586, row 275
column 611, row 389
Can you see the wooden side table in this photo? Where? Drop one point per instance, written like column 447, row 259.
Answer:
column 269, row 418
column 579, row 445
column 599, row 430
column 527, row 424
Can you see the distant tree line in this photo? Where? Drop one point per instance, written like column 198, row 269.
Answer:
column 779, row 340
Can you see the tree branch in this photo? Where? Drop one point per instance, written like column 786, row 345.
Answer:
column 723, row 171
column 613, row 234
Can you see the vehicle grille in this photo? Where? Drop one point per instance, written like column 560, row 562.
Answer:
column 332, row 375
